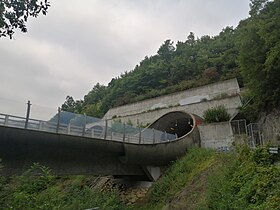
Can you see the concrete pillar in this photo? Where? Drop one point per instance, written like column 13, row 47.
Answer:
column 152, row 172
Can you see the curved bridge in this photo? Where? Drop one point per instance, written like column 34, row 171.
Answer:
column 97, row 149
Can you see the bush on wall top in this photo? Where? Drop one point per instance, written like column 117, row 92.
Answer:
column 216, row 114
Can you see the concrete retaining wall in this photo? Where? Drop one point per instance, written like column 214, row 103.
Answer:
column 183, row 98
column 231, row 103
column 216, row 135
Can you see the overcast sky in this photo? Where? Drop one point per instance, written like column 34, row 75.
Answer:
column 80, row 43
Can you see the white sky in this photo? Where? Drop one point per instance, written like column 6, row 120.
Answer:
column 80, row 43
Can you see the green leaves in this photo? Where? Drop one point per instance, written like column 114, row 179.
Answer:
column 14, row 14
column 259, row 44
column 216, row 114
column 37, row 188
column 248, row 181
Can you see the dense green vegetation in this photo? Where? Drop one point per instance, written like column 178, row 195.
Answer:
column 249, row 52
column 203, row 179
column 248, row 180
column 181, row 173
column 259, row 46
column 37, row 188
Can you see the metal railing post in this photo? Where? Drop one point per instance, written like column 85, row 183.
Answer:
column 6, row 123
column 40, row 125
column 92, row 132
column 69, row 128
column 85, row 123
column 140, row 136
column 27, row 114
column 58, row 119
column 238, row 126
column 106, row 127
column 154, row 136
column 124, row 132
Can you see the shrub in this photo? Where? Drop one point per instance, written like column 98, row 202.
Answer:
column 248, row 181
column 216, row 114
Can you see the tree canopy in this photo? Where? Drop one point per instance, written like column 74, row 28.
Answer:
column 259, row 39
column 14, row 14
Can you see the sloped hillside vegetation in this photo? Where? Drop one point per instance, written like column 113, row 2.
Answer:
column 202, row 179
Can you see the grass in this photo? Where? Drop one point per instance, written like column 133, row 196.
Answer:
column 202, row 180
column 44, row 191
column 180, row 174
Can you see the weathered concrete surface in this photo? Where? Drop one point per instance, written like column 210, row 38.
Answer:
column 183, row 98
column 231, row 103
column 66, row 154
column 216, row 135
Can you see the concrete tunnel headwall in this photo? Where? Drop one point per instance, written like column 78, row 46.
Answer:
column 178, row 122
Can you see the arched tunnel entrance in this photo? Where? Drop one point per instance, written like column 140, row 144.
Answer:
column 177, row 123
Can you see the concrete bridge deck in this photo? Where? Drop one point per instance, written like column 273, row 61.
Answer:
column 97, row 153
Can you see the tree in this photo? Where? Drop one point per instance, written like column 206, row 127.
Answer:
column 14, row 14
column 256, row 6
column 69, row 105
column 259, row 38
column 166, row 50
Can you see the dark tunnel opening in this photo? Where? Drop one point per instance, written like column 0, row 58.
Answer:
column 177, row 123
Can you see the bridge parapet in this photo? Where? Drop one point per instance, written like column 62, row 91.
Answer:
column 97, row 147
column 81, row 125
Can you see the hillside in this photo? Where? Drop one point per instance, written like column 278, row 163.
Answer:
column 249, row 52
column 203, row 179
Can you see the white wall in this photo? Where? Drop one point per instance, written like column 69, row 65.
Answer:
column 216, row 135
column 231, row 103
column 183, row 98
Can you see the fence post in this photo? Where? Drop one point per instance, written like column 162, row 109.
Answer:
column 106, row 127
column 69, row 128
column 58, row 119
column 6, row 120
column 92, row 132
column 27, row 114
column 154, row 136
column 165, row 135
column 124, row 132
column 140, row 135
column 238, row 126
column 246, row 129
column 85, row 123
column 40, row 125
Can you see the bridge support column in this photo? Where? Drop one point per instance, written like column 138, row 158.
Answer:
column 152, row 172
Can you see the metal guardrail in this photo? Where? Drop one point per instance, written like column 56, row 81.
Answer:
column 129, row 134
